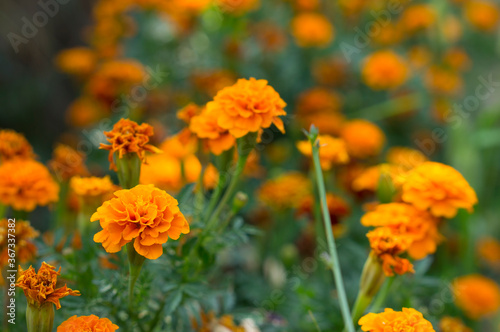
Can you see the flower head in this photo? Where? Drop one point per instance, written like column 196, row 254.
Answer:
column 25, row 184
column 40, row 287
column 363, row 138
column 332, row 151
column 489, row 251
column 205, row 126
column 145, row 214
column 439, row 188
column 407, row 320
column 476, row 295
column 91, row 186
column 79, row 61
column 418, row 17
column 67, row 162
column 443, row 80
column 451, row 324
column 312, row 30
column 482, row 14
column 90, row 323
column 286, row 191
column 14, row 145
column 25, row 248
column 248, row 106
column 405, row 157
column 129, row 137
column 384, row 70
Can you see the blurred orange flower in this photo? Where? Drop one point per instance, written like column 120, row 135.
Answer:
column 439, row 188
column 417, row 17
column 90, row 323
column 451, row 324
column 476, row 295
column 482, row 14
column 25, row 184
column 395, row 321
column 286, row 191
column 248, row 106
column 312, row 30
column 78, row 61
column 332, row 151
column 14, row 145
column 91, row 186
column 84, row 111
column 67, row 162
column 384, row 70
column 129, row 137
column 145, row 214
column 40, row 287
column 363, row 138
column 25, row 248
column 443, row 80
column 489, row 250
column 407, row 158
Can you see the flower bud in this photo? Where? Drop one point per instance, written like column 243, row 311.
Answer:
column 40, row 318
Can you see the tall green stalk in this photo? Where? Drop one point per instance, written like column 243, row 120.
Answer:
column 337, row 273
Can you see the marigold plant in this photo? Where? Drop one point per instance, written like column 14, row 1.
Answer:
column 396, row 321
column 90, row 323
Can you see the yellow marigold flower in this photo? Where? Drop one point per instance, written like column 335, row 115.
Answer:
column 332, row 151
column 489, row 250
column 384, row 70
column 248, row 106
column 145, row 214
column 407, row 158
column 312, row 30
column 482, row 14
column 417, row 17
column 67, row 162
column 40, row 287
column 419, row 226
column 451, row 324
column 388, row 244
column 443, row 80
column 476, row 295
column 205, row 126
column 439, row 188
column 90, row 323
column 91, row 186
column 129, row 137
column 25, row 184
column 286, row 191
column 395, row 321
column 25, row 248
column 79, row 61
column 14, row 145
column 363, row 138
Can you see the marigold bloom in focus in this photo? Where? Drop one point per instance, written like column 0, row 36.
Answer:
column 205, row 126
column 419, row 226
column 451, row 324
column 78, row 61
column 417, row 17
column 332, row 151
column 25, row 184
column 90, row 323
column 145, row 214
column 14, row 145
column 476, row 295
column 248, row 106
column 439, row 188
column 384, row 70
column 67, row 162
column 25, row 248
column 395, row 321
column 40, row 287
column 363, row 138
column 482, row 14
column 129, row 137
column 91, row 186
column 312, row 30
column 285, row 191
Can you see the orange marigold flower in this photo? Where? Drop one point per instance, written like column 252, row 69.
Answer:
column 40, row 287
column 337, row 208
column 270, row 36
column 407, row 158
column 443, row 80
column 489, row 250
column 330, row 71
column 384, row 70
column 91, row 186
column 248, row 106
column 363, row 138
column 188, row 112
column 144, row 213
column 90, row 323
column 419, row 226
column 26, row 183
column 79, row 61
column 14, row 145
column 419, row 56
column 457, row 59
column 286, row 191
column 395, row 321
column 318, row 100
column 439, row 188
column 418, row 17
column 389, row 34
column 84, row 111
column 451, row 324
column 209, row 322
column 205, row 126
column 238, row 7
column 312, row 30
column 476, row 295
column 482, row 14
column 25, row 248
column 67, row 162
column 129, row 137
column 332, row 151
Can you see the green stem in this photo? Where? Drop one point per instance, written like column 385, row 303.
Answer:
column 382, row 295
column 337, row 274
column 135, row 264
column 362, row 302
column 224, row 167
